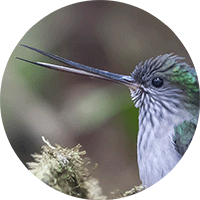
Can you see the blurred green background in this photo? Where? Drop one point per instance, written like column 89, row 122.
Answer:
column 69, row 109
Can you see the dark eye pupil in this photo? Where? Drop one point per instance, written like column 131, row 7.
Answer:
column 157, row 82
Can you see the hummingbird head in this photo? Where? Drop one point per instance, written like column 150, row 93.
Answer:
column 166, row 85
column 164, row 82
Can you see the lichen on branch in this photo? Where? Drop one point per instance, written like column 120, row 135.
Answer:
column 65, row 170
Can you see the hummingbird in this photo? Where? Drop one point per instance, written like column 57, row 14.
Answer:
column 166, row 91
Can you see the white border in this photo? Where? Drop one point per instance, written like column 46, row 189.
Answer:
column 17, row 17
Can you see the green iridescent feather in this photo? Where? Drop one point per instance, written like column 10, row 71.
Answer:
column 186, row 77
column 184, row 133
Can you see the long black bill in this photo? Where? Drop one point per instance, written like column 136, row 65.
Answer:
column 82, row 69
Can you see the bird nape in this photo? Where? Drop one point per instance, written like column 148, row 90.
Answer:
column 166, row 90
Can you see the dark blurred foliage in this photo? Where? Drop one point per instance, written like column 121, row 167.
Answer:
column 69, row 109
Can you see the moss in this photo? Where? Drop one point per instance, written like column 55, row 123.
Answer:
column 65, row 170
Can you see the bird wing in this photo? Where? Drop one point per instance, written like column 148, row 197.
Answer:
column 184, row 133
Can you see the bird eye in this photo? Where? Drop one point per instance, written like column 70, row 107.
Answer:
column 157, row 82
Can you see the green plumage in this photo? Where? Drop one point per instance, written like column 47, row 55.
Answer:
column 185, row 75
column 183, row 135
column 186, row 78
